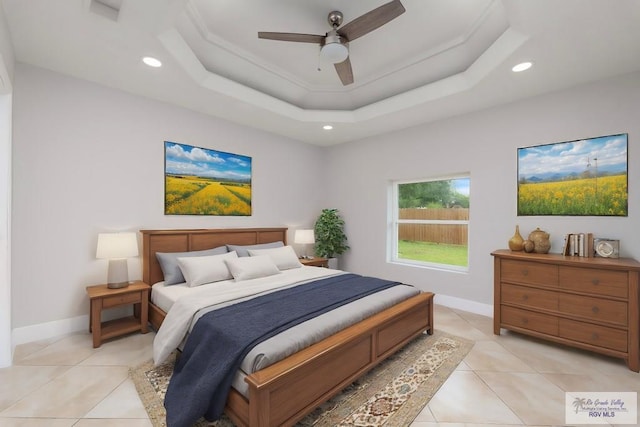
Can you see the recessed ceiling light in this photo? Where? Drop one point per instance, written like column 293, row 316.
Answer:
column 327, row 127
column 521, row 67
column 152, row 62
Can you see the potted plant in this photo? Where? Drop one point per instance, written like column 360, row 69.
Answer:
column 329, row 234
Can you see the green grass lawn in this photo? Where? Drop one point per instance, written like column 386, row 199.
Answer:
column 438, row 253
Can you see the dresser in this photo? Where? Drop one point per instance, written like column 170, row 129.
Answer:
column 589, row 303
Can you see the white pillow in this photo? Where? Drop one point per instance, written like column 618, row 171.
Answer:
column 284, row 257
column 245, row 268
column 205, row 269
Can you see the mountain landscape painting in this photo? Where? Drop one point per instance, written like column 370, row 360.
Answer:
column 582, row 177
column 200, row 181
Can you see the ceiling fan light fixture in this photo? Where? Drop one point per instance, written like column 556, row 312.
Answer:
column 334, row 52
column 333, row 49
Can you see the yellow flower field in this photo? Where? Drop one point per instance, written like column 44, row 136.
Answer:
column 200, row 196
column 602, row 196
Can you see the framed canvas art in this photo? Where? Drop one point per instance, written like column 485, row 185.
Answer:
column 582, row 177
column 201, row 181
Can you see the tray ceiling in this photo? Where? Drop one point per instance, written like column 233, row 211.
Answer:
column 438, row 59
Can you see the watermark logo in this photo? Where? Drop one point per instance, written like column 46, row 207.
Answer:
column 592, row 407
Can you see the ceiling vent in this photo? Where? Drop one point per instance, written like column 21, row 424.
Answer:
column 107, row 8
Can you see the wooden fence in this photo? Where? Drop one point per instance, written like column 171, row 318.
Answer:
column 455, row 234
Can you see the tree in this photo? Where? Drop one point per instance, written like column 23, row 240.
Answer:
column 432, row 194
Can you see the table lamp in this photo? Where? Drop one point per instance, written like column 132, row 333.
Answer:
column 117, row 247
column 304, row 237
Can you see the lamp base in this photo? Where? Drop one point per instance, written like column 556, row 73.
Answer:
column 117, row 285
column 118, row 274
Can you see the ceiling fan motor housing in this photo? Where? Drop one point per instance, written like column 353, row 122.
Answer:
column 335, row 18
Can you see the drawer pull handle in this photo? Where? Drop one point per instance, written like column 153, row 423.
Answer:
column 525, row 272
column 595, row 310
column 525, row 297
column 525, row 321
column 596, row 282
column 594, row 336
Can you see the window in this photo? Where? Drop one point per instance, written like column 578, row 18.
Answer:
column 430, row 223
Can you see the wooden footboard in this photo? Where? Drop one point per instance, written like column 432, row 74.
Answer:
column 285, row 392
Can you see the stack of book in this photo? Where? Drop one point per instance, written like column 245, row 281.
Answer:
column 578, row 244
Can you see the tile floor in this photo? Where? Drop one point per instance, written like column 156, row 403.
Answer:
column 506, row 380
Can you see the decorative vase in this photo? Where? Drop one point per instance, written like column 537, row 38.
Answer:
column 540, row 239
column 516, row 243
column 528, row 246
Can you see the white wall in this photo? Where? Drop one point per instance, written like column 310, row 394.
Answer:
column 89, row 159
column 484, row 144
column 7, row 60
column 6, row 76
column 5, row 230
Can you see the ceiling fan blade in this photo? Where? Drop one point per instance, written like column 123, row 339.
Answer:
column 371, row 20
column 345, row 72
column 292, row 37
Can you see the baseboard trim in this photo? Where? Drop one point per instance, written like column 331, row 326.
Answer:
column 464, row 304
column 47, row 330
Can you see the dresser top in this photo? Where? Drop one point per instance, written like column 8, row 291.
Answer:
column 576, row 261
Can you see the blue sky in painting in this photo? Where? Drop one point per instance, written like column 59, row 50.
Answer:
column 607, row 153
column 183, row 159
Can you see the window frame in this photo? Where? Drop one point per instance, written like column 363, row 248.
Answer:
column 394, row 224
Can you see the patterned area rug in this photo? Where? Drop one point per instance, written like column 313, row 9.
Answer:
column 392, row 394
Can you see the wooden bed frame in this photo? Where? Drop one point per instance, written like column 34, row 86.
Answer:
column 286, row 391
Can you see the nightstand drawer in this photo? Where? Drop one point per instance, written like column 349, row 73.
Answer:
column 529, row 273
column 594, row 281
column 116, row 300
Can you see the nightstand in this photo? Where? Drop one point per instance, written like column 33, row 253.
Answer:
column 315, row 262
column 101, row 297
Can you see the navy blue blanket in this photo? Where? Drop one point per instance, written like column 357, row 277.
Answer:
column 222, row 338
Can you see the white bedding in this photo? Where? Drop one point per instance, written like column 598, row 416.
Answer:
column 188, row 301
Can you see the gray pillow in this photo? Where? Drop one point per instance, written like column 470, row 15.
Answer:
column 169, row 262
column 243, row 250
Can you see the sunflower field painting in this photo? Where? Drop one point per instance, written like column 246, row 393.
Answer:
column 583, row 177
column 200, row 181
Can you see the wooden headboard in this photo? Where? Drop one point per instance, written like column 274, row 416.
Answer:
column 196, row 240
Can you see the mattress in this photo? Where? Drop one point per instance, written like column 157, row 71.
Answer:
column 164, row 296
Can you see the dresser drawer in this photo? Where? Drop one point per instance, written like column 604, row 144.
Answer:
column 529, row 320
column 529, row 273
column 594, row 308
column 600, row 336
column 531, row 297
column 594, row 281
column 116, row 300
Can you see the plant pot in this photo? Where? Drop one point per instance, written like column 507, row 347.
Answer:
column 333, row 263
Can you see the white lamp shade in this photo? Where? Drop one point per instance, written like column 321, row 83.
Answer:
column 304, row 237
column 334, row 52
column 117, row 245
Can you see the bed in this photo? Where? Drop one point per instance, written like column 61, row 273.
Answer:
column 286, row 391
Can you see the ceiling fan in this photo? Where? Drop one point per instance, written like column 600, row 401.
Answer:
column 335, row 43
